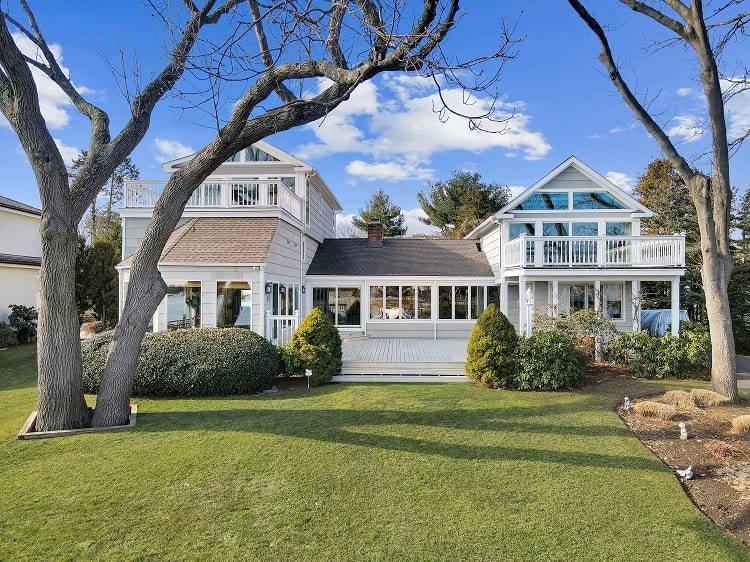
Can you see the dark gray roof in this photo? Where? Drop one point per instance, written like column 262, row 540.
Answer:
column 20, row 260
column 15, row 205
column 434, row 257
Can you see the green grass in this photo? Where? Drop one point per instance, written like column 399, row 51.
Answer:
column 347, row 472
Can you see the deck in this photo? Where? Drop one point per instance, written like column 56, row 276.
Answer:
column 402, row 360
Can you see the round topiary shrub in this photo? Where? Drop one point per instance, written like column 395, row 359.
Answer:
column 197, row 362
column 491, row 350
column 318, row 345
column 548, row 361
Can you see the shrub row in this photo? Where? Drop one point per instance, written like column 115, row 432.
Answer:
column 498, row 359
column 656, row 358
column 197, row 362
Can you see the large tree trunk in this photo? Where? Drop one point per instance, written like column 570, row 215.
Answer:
column 61, row 401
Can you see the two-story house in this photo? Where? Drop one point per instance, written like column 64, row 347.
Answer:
column 256, row 247
column 20, row 255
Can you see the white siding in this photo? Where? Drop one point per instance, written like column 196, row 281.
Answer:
column 132, row 232
column 492, row 249
column 322, row 217
column 283, row 261
column 19, row 286
column 19, row 234
column 570, row 178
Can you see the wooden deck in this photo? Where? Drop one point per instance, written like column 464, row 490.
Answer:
column 402, row 360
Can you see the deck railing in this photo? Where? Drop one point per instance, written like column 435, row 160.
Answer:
column 279, row 328
column 596, row 251
column 251, row 193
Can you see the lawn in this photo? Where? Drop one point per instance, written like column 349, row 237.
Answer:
column 346, row 472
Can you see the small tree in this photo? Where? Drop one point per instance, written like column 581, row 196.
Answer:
column 492, row 349
column 318, row 345
column 381, row 207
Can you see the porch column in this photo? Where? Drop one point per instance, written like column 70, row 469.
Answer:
column 598, row 297
column 528, row 297
column 555, row 297
column 504, row 297
column 636, row 288
column 522, row 309
column 676, row 307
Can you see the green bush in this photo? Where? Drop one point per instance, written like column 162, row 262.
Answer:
column 197, row 362
column 661, row 357
column 7, row 335
column 548, row 361
column 290, row 362
column 586, row 327
column 23, row 321
column 739, row 305
column 318, row 345
column 491, row 352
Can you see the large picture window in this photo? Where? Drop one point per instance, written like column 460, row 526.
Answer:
column 184, row 305
column 234, row 301
column 342, row 305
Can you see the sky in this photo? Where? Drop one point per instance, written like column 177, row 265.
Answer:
column 388, row 135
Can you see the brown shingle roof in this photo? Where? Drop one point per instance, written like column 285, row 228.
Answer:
column 16, row 205
column 436, row 257
column 219, row 240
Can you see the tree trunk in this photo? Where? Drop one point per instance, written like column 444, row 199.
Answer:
column 61, row 401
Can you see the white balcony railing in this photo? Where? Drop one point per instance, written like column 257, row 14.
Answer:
column 222, row 194
column 279, row 328
column 598, row 251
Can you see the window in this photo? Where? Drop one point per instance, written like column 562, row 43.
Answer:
column 184, row 305
column 376, row 302
column 518, row 228
column 619, row 228
column 445, row 302
column 596, row 200
column 477, row 301
column 424, row 302
column 544, row 201
column 493, row 295
column 613, row 301
column 581, row 297
column 233, row 304
column 341, row 304
column 253, row 154
column 585, row 229
column 290, row 182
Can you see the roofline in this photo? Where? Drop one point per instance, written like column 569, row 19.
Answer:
column 13, row 205
column 587, row 171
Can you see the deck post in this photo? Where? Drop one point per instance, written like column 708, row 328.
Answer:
column 676, row 307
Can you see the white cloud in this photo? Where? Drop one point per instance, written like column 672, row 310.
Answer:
column 623, row 181
column 396, row 122
column 170, row 150
column 68, row 153
column 687, row 129
column 415, row 226
column 737, row 108
column 516, row 190
column 53, row 102
column 684, row 92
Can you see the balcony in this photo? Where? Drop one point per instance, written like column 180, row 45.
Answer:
column 597, row 251
column 249, row 194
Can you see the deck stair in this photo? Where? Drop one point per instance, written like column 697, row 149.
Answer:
column 402, row 360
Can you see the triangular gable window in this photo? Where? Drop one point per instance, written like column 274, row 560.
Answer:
column 254, row 154
column 544, row 201
column 596, row 200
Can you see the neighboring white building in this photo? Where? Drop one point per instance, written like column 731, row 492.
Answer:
column 20, row 255
column 256, row 248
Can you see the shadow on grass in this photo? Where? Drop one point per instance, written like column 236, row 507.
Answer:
column 360, row 428
column 18, row 368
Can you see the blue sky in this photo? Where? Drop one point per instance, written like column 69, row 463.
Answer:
column 387, row 135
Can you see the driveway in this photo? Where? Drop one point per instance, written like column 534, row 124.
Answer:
column 743, row 373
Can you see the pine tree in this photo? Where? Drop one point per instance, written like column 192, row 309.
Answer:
column 381, row 207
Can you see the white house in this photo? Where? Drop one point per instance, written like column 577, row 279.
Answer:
column 256, row 247
column 20, row 255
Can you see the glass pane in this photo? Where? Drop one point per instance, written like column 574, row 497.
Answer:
column 596, row 200
column 445, row 302
column 619, row 228
column 349, row 306
column 244, row 194
column 324, row 298
column 392, row 306
column 253, row 154
column 407, row 302
column 376, row 302
column 233, row 304
column 555, row 229
column 461, row 303
column 518, row 228
column 477, row 301
column 543, row 201
column 581, row 297
column 424, row 302
column 585, row 229
column 289, row 181
column 184, row 305
column 493, row 295
column 234, row 158
column 613, row 300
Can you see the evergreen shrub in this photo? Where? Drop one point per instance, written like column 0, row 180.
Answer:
column 318, row 345
column 290, row 362
column 548, row 361
column 491, row 352
column 7, row 335
column 195, row 362
column 23, row 321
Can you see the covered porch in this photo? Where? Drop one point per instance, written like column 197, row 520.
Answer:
column 367, row 359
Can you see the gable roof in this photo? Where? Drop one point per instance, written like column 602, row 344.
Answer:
column 600, row 182
column 12, row 259
column 219, row 240
column 412, row 257
column 18, row 206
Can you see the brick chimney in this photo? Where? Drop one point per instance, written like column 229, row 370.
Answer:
column 375, row 234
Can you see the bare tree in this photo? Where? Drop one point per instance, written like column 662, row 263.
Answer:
column 710, row 193
column 295, row 62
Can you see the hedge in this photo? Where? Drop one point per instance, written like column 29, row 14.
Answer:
column 196, row 362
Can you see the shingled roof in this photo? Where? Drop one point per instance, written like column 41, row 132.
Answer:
column 433, row 257
column 219, row 240
column 13, row 259
column 15, row 205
